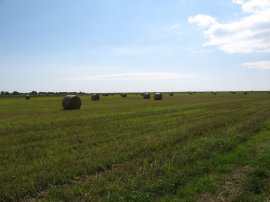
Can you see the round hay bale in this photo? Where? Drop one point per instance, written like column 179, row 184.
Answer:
column 123, row 94
column 158, row 96
column 171, row 94
column 245, row 93
column 71, row 102
column 27, row 97
column 95, row 97
column 146, row 96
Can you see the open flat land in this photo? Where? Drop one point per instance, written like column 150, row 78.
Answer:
column 199, row 147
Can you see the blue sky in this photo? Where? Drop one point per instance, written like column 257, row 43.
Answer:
column 126, row 45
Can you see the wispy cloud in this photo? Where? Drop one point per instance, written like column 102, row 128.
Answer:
column 134, row 76
column 202, row 20
column 247, row 35
column 253, row 6
column 263, row 65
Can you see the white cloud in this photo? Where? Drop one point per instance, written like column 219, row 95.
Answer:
column 134, row 76
column 253, row 6
column 202, row 20
column 247, row 35
column 238, row 1
column 263, row 65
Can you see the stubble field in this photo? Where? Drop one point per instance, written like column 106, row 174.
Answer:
column 198, row 147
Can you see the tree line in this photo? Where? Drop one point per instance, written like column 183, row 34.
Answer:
column 35, row 93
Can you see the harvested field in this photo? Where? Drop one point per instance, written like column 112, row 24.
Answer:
column 182, row 148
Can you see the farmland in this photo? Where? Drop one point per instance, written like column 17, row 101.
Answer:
column 198, row 147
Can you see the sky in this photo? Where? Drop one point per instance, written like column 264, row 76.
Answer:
column 131, row 46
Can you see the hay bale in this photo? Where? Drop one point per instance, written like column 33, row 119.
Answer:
column 27, row 97
column 71, row 102
column 95, row 97
column 233, row 92
column 214, row 93
column 146, row 96
column 123, row 94
column 245, row 93
column 158, row 96
column 171, row 94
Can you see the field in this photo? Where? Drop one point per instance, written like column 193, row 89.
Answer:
column 198, row 147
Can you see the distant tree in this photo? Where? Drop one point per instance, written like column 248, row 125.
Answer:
column 33, row 93
column 15, row 93
column 2, row 92
column 41, row 93
column 6, row 93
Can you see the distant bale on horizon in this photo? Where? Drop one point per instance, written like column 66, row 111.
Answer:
column 95, row 97
column 146, row 96
column 171, row 94
column 27, row 97
column 123, row 94
column 245, row 93
column 71, row 102
column 158, row 96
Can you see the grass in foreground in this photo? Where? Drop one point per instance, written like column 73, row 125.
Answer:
column 184, row 148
